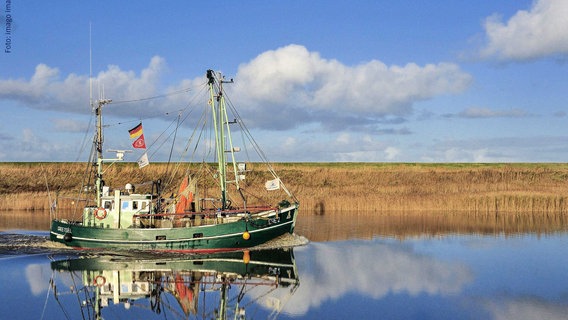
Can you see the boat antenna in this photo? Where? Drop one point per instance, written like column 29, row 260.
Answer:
column 90, row 68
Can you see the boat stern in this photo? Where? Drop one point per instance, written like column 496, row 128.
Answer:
column 289, row 211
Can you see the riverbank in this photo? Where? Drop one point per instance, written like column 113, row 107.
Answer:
column 327, row 188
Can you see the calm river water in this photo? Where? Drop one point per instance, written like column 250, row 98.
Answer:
column 355, row 266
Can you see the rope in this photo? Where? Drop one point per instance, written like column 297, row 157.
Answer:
column 154, row 97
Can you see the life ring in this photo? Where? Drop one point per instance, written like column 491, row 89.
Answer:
column 100, row 213
column 99, row 281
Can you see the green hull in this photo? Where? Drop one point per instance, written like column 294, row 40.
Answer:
column 208, row 238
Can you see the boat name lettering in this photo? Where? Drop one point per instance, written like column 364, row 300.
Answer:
column 64, row 229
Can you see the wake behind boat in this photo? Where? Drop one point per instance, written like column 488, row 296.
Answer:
column 197, row 219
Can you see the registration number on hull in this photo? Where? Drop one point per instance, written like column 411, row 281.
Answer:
column 64, row 229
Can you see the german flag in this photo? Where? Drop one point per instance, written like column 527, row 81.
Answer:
column 136, row 131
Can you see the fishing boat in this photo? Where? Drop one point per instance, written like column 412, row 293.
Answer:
column 195, row 218
column 223, row 285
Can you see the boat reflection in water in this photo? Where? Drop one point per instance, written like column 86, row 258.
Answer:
column 213, row 286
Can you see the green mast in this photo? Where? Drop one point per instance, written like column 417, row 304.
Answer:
column 215, row 102
column 222, row 131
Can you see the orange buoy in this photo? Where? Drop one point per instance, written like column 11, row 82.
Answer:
column 100, row 213
column 246, row 235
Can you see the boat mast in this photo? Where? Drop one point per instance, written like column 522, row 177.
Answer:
column 214, row 100
column 221, row 126
column 99, row 149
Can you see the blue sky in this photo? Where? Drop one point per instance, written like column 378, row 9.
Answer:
column 372, row 81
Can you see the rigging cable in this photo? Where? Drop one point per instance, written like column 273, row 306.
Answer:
column 173, row 143
column 202, row 119
column 154, row 97
column 256, row 146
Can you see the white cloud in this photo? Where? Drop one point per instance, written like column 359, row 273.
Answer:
column 343, row 138
column 46, row 90
column 293, row 77
column 69, row 125
column 126, row 85
column 481, row 112
column 527, row 309
column 391, row 153
column 539, row 32
column 28, row 136
column 470, row 154
column 341, row 146
column 281, row 89
column 287, row 83
column 521, row 148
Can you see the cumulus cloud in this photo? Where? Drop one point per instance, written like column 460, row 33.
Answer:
column 498, row 149
column 343, row 146
column 287, row 83
column 392, row 153
column 475, row 154
column 482, row 112
column 68, row 125
column 538, row 32
column 528, row 308
column 293, row 78
column 46, row 89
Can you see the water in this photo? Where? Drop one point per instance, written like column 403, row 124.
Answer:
column 362, row 267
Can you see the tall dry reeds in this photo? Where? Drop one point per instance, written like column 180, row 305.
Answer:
column 327, row 188
column 486, row 188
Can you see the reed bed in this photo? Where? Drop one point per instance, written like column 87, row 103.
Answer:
column 329, row 188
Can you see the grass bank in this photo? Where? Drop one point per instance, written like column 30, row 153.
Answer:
column 327, row 188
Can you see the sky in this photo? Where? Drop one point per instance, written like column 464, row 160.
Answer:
column 316, row 81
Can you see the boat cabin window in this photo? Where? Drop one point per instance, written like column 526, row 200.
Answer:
column 107, row 205
column 135, row 205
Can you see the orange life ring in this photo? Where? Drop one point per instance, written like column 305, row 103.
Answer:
column 100, row 213
column 99, row 281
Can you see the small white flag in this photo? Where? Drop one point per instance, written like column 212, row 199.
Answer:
column 271, row 185
column 143, row 160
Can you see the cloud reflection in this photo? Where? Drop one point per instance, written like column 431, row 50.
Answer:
column 527, row 309
column 329, row 271
column 38, row 276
